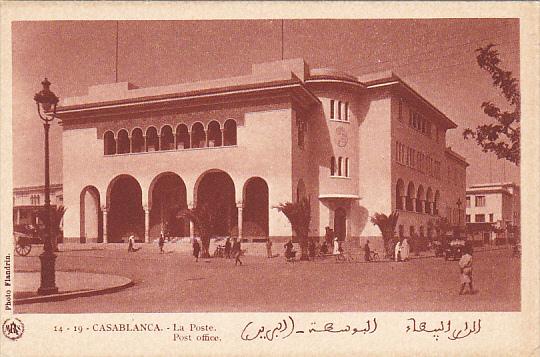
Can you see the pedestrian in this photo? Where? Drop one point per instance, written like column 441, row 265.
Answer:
column 237, row 251
column 228, row 248
column 367, row 252
column 328, row 236
column 131, row 243
column 337, row 251
column 405, row 249
column 289, row 253
column 161, row 242
column 397, row 251
column 311, row 249
column 465, row 265
column 268, row 248
column 196, row 249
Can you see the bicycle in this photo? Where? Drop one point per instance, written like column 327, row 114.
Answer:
column 374, row 256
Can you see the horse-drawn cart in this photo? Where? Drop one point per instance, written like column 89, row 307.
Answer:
column 23, row 244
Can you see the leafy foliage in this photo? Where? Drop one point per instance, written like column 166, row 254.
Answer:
column 299, row 215
column 203, row 221
column 56, row 215
column 501, row 137
column 387, row 226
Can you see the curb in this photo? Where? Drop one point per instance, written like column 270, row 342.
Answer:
column 72, row 295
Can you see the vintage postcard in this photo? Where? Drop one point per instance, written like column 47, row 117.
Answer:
column 259, row 179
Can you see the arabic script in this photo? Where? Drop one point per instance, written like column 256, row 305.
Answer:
column 445, row 327
column 287, row 327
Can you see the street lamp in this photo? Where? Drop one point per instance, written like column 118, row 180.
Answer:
column 46, row 102
column 458, row 203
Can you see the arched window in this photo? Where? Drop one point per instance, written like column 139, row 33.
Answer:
column 137, row 140
column 436, row 203
column 333, row 166
column 182, row 137
column 152, row 139
column 419, row 199
column 214, row 134
column 198, row 136
column 346, row 167
column 410, row 197
column 167, row 138
column 339, row 166
column 229, row 133
column 109, row 143
column 429, row 200
column 399, row 194
column 123, row 142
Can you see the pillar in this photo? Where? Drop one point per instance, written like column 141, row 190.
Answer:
column 240, row 207
column 130, row 143
column 403, row 202
column 146, row 224
column 191, row 227
column 104, row 210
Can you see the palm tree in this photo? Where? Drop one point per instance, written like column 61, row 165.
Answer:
column 202, row 219
column 299, row 215
column 57, row 213
column 387, row 225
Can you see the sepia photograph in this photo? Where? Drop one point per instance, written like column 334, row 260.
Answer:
column 221, row 183
column 266, row 165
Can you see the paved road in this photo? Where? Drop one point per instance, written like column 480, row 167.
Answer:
column 173, row 282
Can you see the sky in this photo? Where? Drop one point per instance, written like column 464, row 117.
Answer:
column 434, row 56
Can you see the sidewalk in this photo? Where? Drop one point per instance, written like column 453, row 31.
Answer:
column 70, row 285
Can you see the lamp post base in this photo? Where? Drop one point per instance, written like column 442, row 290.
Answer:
column 48, row 279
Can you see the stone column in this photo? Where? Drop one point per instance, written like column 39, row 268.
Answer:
column 413, row 204
column 191, row 227
column 403, row 202
column 145, row 143
column 146, row 224
column 240, row 207
column 130, row 143
column 104, row 210
column 222, row 136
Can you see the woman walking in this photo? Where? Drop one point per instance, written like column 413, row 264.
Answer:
column 405, row 249
column 196, row 249
column 161, row 242
column 465, row 265
column 237, row 251
column 397, row 252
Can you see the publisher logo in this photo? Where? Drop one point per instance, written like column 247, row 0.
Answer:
column 13, row 328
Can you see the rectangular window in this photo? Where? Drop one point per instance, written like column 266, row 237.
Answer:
column 400, row 109
column 332, row 104
column 468, row 218
column 346, row 111
column 468, row 202
column 339, row 111
column 480, row 201
column 480, row 218
column 491, row 217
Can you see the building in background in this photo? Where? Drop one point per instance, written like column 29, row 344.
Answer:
column 353, row 146
column 493, row 212
column 28, row 200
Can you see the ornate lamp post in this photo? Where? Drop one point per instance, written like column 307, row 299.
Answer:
column 46, row 102
column 458, row 204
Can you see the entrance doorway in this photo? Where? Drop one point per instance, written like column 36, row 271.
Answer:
column 340, row 223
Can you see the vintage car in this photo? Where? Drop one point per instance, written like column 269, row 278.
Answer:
column 454, row 249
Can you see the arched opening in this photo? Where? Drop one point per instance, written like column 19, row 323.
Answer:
column 340, row 223
column 137, row 140
column 419, row 199
column 400, row 194
column 339, row 166
column 123, row 142
column 410, row 197
column 333, row 166
column 167, row 197
column 436, row 203
column 229, row 133
column 91, row 226
column 152, row 139
column 429, row 200
column 214, row 134
column 126, row 214
column 182, row 137
column 198, row 136
column 216, row 192
column 109, row 143
column 256, row 208
column 167, row 138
